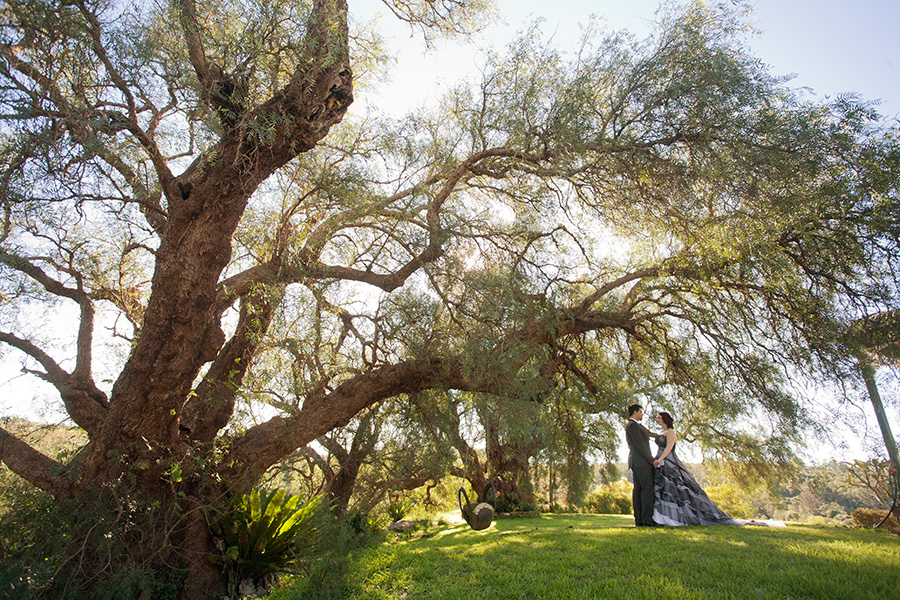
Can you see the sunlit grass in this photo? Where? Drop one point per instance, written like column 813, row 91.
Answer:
column 601, row 556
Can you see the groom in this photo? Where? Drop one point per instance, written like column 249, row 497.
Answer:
column 640, row 461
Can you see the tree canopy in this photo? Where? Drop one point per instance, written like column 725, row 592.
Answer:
column 658, row 219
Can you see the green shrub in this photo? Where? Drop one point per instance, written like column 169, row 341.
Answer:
column 322, row 571
column 260, row 532
column 397, row 509
column 59, row 549
column 515, row 502
column 30, row 542
column 609, row 499
column 732, row 499
column 361, row 524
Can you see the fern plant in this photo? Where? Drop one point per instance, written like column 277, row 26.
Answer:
column 260, row 532
column 397, row 509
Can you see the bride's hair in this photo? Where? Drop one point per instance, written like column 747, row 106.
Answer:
column 667, row 419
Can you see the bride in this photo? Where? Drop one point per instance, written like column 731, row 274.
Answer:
column 677, row 498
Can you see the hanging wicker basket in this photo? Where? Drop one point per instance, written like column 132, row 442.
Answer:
column 478, row 515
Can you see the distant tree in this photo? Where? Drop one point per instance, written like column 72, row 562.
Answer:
column 174, row 173
column 871, row 476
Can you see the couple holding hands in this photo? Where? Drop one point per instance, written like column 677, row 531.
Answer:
column 665, row 493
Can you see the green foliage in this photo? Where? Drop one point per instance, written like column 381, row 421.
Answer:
column 138, row 582
column 361, row 524
column 77, row 549
column 823, row 491
column 609, row 499
column 510, row 502
column 398, row 508
column 732, row 499
column 607, row 503
column 322, row 571
column 30, row 544
column 260, row 532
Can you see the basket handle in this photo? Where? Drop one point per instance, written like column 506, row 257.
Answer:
column 460, row 495
column 489, row 494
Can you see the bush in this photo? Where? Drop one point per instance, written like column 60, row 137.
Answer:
column 612, row 498
column 515, row 502
column 603, row 502
column 323, row 571
column 260, row 532
column 360, row 524
column 731, row 499
column 397, row 509
column 866, row 517
column 54, row 549
column 30, row 543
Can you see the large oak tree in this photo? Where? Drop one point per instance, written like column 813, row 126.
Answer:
column 662, row 216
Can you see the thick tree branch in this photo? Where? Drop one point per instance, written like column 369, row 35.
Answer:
column 190, row 25
column 212, row 405
column 84, row 402
column 256, row 450
column 603, row 290
column 263, row 445
column 33, row 466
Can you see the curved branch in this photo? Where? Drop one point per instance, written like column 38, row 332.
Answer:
column 54, row 373
column 309, row 265
column 33, row 466
column 84, row 402
column 263, row 445
column 86, row 322
column 241, row 284
column 588, row 302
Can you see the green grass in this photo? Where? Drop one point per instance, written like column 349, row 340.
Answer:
column 600, row 556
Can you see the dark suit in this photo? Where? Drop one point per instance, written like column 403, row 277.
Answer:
column 640, row 461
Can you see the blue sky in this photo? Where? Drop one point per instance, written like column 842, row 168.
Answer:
column 832, row 46
column 835, row 46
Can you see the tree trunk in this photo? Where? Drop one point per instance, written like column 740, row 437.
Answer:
column 869, row 376
column 204, row 580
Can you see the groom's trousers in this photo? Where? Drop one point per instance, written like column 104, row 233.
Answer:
column 642, row 496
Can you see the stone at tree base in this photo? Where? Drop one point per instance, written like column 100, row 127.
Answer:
column 401, row 525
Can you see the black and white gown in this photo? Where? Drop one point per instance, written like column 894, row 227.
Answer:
column 677, row 497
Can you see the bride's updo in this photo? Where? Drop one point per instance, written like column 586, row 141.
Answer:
column 667, row 419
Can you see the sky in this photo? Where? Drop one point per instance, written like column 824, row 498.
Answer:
column 830, row 46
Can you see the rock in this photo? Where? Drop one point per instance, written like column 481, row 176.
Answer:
column 401, row 525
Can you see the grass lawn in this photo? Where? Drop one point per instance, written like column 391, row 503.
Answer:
column 601, row 556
